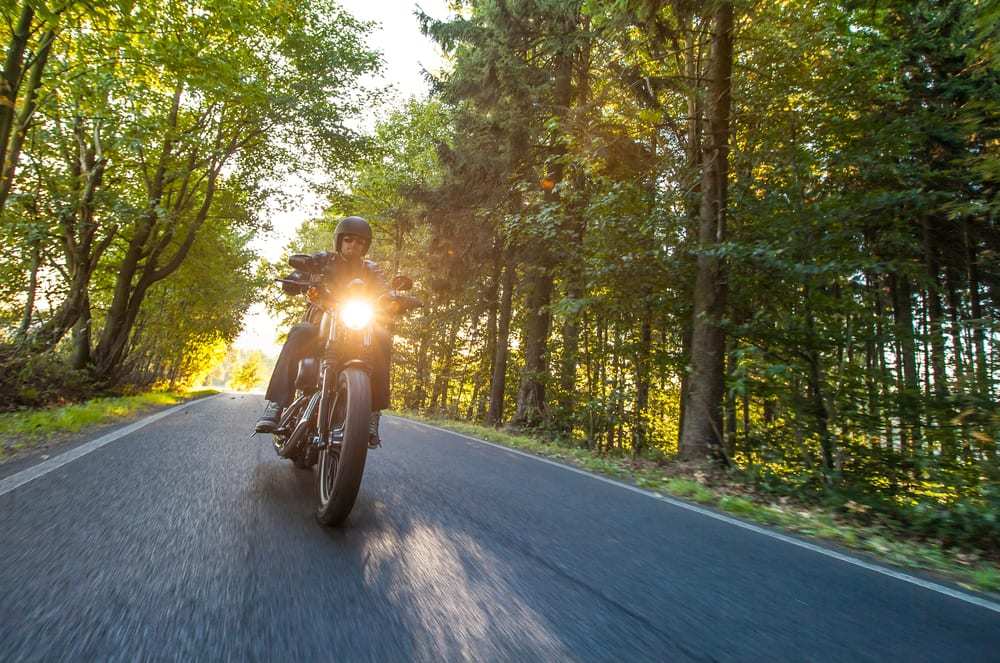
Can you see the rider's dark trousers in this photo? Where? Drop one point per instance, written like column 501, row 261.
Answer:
column 303, row 341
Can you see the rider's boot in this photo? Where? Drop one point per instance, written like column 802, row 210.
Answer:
column 268, row 421
column 373, row 439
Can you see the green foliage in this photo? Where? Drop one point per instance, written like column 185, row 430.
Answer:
column 189, row 320
column 145, row 144
column 248, row 374
column 21, row 429
column 861, row 258
column 36, row 381
column 737, row 505
column 986, row 578
column 691, row 489
column 972, row 520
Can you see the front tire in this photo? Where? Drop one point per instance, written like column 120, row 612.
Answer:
column 341, row 469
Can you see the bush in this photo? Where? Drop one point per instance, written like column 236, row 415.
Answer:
column 971, row 521
column 40, row 380
column 249, row 374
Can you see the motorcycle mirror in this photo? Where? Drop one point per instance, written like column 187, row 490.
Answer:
column 400, row 282
column 301, row 261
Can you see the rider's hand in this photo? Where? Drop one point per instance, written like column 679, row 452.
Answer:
column 291, row 288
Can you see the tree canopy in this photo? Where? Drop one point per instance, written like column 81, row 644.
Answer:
column 140, row 144
column 760, row 233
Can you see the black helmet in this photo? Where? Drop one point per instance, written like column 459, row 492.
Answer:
column 353, row 225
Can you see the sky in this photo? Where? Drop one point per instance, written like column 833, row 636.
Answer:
column 406, row 54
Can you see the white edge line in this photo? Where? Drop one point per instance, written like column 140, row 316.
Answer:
column 17, row 480
column 892, row 573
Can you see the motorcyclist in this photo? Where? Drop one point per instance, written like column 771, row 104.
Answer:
column 351, row 241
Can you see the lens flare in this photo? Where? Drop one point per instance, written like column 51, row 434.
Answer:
column 357, row 313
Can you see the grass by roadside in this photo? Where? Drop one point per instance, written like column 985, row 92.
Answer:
column 693, row 483
column 26, row 429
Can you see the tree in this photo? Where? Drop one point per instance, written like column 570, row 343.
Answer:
column 134, row 133
column 702, row 432
column 249, row 373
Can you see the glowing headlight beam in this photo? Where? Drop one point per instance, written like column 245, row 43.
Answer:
column 357, row 313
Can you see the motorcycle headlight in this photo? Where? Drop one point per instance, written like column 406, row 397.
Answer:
column 357, row 313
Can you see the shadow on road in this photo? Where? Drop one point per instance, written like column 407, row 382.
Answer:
column 430, row 581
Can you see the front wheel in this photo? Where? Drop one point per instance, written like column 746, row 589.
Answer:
column 341, row 467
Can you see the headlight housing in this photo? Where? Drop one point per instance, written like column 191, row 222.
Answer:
column 357, row 313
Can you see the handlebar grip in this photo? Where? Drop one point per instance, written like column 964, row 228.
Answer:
column 398, row 304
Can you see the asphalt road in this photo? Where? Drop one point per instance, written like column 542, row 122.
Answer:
column 184, row 541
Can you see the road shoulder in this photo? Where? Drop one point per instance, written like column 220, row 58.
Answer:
column 925, row 564
column 38, row 449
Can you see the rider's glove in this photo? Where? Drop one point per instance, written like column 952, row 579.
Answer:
column 293, row 289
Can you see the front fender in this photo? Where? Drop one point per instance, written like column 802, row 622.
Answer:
column 356, row 363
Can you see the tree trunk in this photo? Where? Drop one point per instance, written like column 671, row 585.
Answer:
column 907, row 354
column 642, row 371
column 729, row 409
column 955, row 316
column 20, row 130
column 118, row 328
column 976, row 302
column 29, row 301
column 576, row 227
column 685, row 381
column 820, row 412
column 570, row 358
column 873, row 368
column 693, row 158
column 52, row 330
column 746, row 419
column 531, row 405
column 81, row 338
column 702, row 433
column 120, row 316
column 498, row 382
column 443, row 378
column 10, row 80
column 935, row 311
column 590, row 370
column 531, row 395
column 78, row 245
column 490, row 351
column 415, row 399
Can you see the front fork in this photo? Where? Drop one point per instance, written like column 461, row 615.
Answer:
column 326, row 432
column 328, row 401
column 333, row 363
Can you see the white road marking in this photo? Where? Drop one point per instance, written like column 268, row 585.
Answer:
column 892, row 573
column 15, row 481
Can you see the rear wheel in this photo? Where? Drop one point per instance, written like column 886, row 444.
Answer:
column 341, row 467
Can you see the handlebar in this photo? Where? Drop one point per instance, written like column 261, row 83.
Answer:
column 393, row 301
column 399, row 302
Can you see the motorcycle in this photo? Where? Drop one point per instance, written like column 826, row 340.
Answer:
column 327, row 423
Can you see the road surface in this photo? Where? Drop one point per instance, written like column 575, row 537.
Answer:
column 185, row 541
